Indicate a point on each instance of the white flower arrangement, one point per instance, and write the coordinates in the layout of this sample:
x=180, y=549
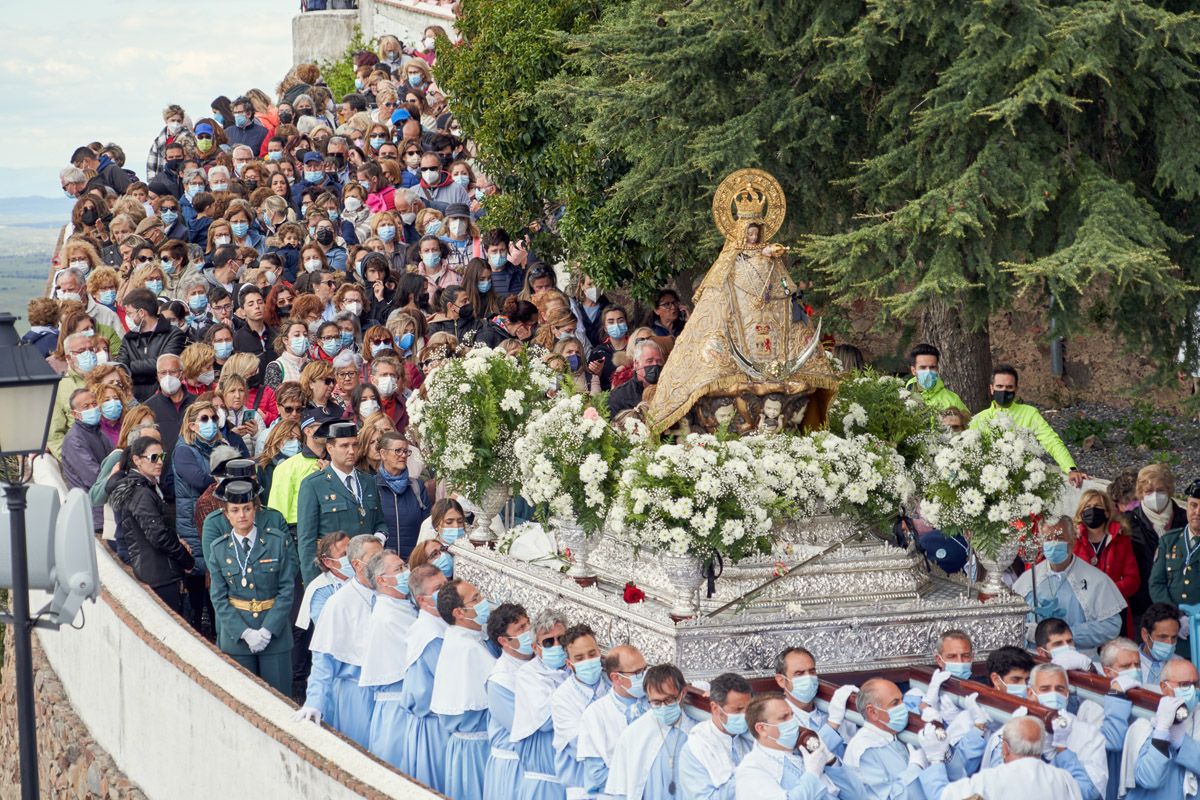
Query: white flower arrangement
x=989, y=481
x=568, y=461
x=881, y=406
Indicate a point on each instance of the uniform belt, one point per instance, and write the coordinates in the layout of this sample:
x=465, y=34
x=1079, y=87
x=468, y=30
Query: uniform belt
x=503, y=755
x=471, y=736
x=541, y=776
x=388, y=697
x=253, y=606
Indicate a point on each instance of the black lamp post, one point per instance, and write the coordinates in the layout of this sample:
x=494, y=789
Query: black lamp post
x=27, y=389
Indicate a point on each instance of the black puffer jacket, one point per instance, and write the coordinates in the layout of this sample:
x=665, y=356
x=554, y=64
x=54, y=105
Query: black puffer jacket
x=140, y=352
x=156, y=553
x=1145, y=546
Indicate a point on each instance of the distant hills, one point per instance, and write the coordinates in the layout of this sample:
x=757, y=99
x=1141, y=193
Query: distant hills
x=35, y=211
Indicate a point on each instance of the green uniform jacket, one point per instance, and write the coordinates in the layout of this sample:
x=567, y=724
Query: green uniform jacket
x=285, y=484
x=327, y=505
x=60, y=418
x=939, y=398
x=1028, y=417
x=1174, y=578
x=271, y=573
x=215, y=526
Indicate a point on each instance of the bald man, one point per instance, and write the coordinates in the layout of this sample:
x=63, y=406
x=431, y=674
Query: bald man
x=1162, y=756
x=1023, y=775
x=603, y=722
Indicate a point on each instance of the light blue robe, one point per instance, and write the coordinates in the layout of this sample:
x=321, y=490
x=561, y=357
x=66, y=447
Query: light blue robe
x=886, y=774
x=425, y=741
x=569, y=702
x=818, y=721
x=466, y=754
x=1151, y=671
x=595, y=771
x=390, y=722
x=1117, y=711
x=665, y=770
x=1161, y=778
x=694, y=778
x=334, y=691
x=1088, y=634
x=320, y=597
x=502, y=774
x=537, y=757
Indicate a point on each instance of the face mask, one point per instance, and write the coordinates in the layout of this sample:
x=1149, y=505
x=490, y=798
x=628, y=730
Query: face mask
x=167, y=266
x=197, y=303
x=1052, y=700
x=367, y=407
x=1156, y=501
x=134, y=325
x=204, y=145
x=111, y=409
x=220, y=187
x=352, y=204
x=223, y=350
x=240, y=120
x=1055, y=552
x=1188, y=695
x=456, y=132
x=591, y=293
x=325, y=237
x=219, y=117
x=458, y=228
x=331, y=346
x=431, y=260
x=238, y=167
x=430, y=176
x=102, y=357
x=313, y=176
x=81, y=265
x=298, y=345
x=1093, y=517
x=409, y=218
x=483, y=286
x=405, y=342
x=393, y=55
x=108, y=297
x=377, y=142
x=207, y=377
x=194, y=190
x=173, y=127
x=312, y=264
x=1003, y=398
x=445, y=562
x=651, y=373
x=789, y=732
x=414, y=80
x=286, y=117
x=275, y=155
x=168, y=218
x=466, y=313
x=574, y=362
x=271, y=277
x=959, y=669
x=452, y=535
x=386, y=232
x=588, y=672
x=897, y=718
x=387, y=388
x=69, y=296
x=1132, y=674
x=290, y=447
x=480, y=194
x=497, y=260
x=155, y=286
x=240, y=229
x=926, y=378
x=433, y=227
x=804, y=687
x=525, y=643
x=1161, y=651
x=1017, y=689
x=463, y=180
x=668, y=714
x=483, y=610
x=220, y=240
x=429, y=42
x=90, y=416
x=402, y=582
x=617, y=330
x=343, y=566
x=207, y=430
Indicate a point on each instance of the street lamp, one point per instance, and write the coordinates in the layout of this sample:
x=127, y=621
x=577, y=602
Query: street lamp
x=27, y=389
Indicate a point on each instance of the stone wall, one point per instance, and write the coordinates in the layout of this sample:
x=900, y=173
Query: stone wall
x=322, y=35
x=404, y=19
x=71, y=764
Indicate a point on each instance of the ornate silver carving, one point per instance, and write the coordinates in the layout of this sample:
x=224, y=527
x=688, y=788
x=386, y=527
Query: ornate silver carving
x=490, y=505
x=992, y=586
x=571, y=536
x=684, y=575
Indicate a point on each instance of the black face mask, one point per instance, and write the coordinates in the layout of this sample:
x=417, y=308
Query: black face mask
x=466, y=313
x=89, y=216
x=174, y=164
x=1094, y=517
x=338, y=159
x=1003, y=398
x=651, y=373
x=304, y=112
x=286, y=117
x=284, y=311
x=325, y=237
x=251, y=185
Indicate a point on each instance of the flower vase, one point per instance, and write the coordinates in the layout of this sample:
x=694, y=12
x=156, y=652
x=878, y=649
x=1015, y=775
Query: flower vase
x=685, y=575
x=992, y=585
x=572, y=537
x=490, y=505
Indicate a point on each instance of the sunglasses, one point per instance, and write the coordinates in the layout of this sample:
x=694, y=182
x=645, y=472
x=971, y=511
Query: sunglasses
x=206, y=418
x=154, y=458
x=412, y=152
x=145, y=259
x=550, y=641
x=204, y=136
x=169, y=208
x=381, y=341
x=328, y=283
x=292, y=409
x=328, y=381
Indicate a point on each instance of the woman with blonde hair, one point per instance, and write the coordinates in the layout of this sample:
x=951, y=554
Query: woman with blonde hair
x=368, y=449
x=316, y=385
x=281, y=443
x=199, y=371
x=573, y=354
x=1156, y=513
x=78, y=253
x=1103, y=541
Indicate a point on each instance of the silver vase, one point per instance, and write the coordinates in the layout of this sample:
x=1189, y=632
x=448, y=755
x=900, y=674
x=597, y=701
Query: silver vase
x=685, y=574
x=992, y=585
x=490, y=505
x=571, y=536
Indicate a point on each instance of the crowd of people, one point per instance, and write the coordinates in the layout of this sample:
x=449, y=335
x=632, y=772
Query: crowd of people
x=238, y=331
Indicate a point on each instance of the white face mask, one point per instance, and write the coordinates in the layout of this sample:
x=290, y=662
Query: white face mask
x=169, y=384
x=68, y=295
x=457, y=227
x=429, y=42
x=221, y=418
x=408, y=219
x=353, y=204
x=81, y=265
x=271, y=278
x=221, y=240
x=207, y=377
x=386, y=385
x=1156, y=501
x=312, y=264
x=173, y=127
x=367, y=407
x=591, y=293
x=354, y=308
x=102, y=357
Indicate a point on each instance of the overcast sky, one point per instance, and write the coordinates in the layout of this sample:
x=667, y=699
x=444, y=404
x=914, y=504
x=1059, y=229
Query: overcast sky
x=72, y=72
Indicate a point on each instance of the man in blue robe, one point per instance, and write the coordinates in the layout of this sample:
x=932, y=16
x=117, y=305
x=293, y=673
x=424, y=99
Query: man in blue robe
x=508, y=626
x=423, y=756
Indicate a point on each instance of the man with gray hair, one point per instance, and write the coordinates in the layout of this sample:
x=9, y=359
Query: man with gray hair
x=383, y=667
x=70, y=283
x=648, y=360
x=1023, y=774
x=532, y=731
x=339, y=646
x=77, y=348
x=73, y=180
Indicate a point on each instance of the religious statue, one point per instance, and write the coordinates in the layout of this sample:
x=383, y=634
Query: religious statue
x=771, y=420
x=747, y=336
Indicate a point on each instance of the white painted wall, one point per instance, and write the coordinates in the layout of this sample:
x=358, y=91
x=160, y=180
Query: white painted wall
x=174, y=735
x=404, y=19
x=321, y=35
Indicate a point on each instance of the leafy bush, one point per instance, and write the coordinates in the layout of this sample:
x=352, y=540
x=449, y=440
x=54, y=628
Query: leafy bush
x=1081, y=427
x=339, y=73
x=1144, y=431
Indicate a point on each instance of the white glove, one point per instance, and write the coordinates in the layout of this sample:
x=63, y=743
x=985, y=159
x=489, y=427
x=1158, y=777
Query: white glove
x=934, y=744
x=940, y=676
x=815, y=761
x=837, y=704
x=1123, y=683
x=977, y=714
x=1073, y=659
x=1164, y=717
x=1063, y=724
x=264, y=639
x=930, y=714
x=1185, y=626
x=250, y=637
x=1178, y=733
x=916, y=757
x=309, y=714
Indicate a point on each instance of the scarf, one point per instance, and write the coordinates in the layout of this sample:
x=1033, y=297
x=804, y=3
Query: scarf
x=1160, y=520
x=397, y=483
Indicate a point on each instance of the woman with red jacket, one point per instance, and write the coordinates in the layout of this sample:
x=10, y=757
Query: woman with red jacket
x=1104, y=542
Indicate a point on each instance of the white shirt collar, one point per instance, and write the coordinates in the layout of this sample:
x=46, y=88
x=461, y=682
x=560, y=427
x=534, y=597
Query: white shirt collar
x=339, y=473
x=251, y=537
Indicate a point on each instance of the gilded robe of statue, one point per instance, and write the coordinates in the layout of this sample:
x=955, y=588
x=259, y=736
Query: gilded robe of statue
x=747, y=336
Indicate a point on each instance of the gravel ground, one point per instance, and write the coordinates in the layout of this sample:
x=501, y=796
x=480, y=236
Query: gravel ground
x=1104, y=440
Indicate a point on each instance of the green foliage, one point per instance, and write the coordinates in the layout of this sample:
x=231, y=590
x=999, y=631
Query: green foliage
x=1081, y=427
x=339, y=73
x=1143, y=430
x=880, y=406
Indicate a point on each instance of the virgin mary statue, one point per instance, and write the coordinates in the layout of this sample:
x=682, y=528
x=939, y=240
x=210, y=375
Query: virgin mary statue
x=748, y=335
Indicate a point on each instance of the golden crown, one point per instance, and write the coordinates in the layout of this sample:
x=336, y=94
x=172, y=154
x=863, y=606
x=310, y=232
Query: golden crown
x=750, y=203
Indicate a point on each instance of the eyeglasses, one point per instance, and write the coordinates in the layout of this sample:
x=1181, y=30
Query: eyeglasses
x=203, y=136
x=550, y=641
x=330, y=283
x=400, y=451
x=663, y=703
x=388, y=105
x=223, y=307
x=292, y=409
x=347, y=375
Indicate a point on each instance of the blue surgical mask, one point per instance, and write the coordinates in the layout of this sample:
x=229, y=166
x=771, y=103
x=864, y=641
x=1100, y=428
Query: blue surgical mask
x=240, y=120
x=445, y=562
x=574, y=362
x=483, y=286
x=379, y=347
x=959, y=669
x=208, y=430
x=240, y=229
x=194, y=190
x=1057, y=652
x=155, y=286
x=358, y=84
x=376, y=142
x=463, y=180
x=554, y=657
x=452, y=535
x=332, y=346
x=483, y=610
x=290, y=447
x=1188, y=695
x=1161, y=651
x=927, y=378
x=405, y=342
x=431, y=260
x=1132, y=674
x=314, y=176
x=108, y=297
x=1052, y=700
x=198, y=303
x=111, y=409
x=433, y=227
x=668, y=714
x=637, y=684
x=298, y=345
x=168, y=218
x=167, y=266
x=617, y=330
x=789, y=732
x=897, y=718
x=223, y=349
x=90, y=416
x=1055, y=551
x=525, y=643
x=480, y=194
x=386, y=232
x=220, y=118
x=344, y=566
x=275, y=155
x=332, y=214
x=347, y=339
x=588, y=672
x=1017, y=689
x=804, y=687
x=497, y=260
x=402, y=582
x=414, y=80
x=85, y=362
x=736, y=724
